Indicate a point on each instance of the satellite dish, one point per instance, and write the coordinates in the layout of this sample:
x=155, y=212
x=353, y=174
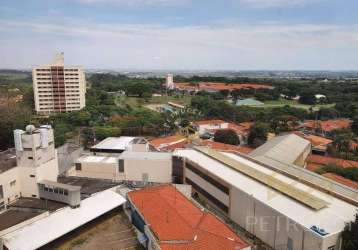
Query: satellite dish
x=30, y=129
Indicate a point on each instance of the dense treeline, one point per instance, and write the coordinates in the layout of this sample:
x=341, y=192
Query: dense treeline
x=344, y=93
x=131, y=86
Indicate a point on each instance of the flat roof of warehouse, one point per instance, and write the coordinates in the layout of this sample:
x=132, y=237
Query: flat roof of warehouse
x=332, y=218
x=97, y=159
x=62, y=221
x=145, y=155
x=116, y=143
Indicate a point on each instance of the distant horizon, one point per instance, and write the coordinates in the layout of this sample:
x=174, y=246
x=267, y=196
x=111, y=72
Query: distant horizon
x=200, y=70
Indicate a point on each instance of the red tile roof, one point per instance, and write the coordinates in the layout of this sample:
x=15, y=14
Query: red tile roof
x=315, y=140
x=241, y=128
x=328, y=125
x=209, y=122
x=173, y=217
x=167, y=141
x=318, y=160
x=214, y=86
x=226, y=147
x=325, y=160
x=342, y=180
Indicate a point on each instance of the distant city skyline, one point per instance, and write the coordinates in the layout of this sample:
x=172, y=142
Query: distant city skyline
x=181, y=34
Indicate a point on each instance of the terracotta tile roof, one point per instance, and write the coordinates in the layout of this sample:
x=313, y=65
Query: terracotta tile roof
x=172, y=217
x=342, y=180
x=177, y=145
x=315, y=140
x=214, y=86
x=328, y=125
x=226, y=147
x=319, y=160
x=210, y=122
x=353, y=145
x=166, y=141
x=241, y=128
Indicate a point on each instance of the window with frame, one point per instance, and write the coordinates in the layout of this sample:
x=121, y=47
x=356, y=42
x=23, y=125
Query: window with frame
x=78, y=166
x=121, y=165
x=1, y=192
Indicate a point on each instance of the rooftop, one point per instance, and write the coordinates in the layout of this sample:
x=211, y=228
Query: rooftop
x=285, y=148
x=63, y=221
x=328, y=125
x=316, y=161
x=332, y=217
x=226, y=147
x=315, y=140
x=97, y=159
x=88, y=186
x=116, y=143
x=179, y=224
x=11, y=218
x=162, y=142
x=342, y=180
x=249, y=102
x=241, y=128
x=209, y=122
x=145, y=155
x=39, y=204
x=217, y=86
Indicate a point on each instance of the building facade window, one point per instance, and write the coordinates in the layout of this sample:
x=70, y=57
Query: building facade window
x=78, y=166
x=121, y=165
x=209, y=179
x=208, y=196
x=289, y=244
x=12, y=183
x=1, y=192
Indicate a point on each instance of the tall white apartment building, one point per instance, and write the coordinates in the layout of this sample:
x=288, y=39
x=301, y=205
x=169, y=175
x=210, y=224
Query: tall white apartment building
x=58, y=88
x=170, y=82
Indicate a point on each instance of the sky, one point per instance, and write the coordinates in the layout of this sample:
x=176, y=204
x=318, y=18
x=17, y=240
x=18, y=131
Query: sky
x=181, y=34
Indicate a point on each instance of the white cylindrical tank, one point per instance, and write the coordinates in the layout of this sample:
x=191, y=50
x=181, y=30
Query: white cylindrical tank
x=44, y=137
x=17, y=139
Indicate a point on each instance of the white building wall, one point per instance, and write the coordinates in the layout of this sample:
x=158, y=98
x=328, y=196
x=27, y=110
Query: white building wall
x=159, y=171
x=11, y=191
x=27, y=177
x=272, y=227
x=98, y=170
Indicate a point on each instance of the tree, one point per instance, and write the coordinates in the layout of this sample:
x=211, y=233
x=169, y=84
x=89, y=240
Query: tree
x=307, y=98
x=342, y=140
x=350, y=235
x=227, y=136
x=355, y=125
x=258, y=134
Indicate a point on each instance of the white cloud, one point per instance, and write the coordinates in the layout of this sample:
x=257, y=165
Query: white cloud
x=132, y=3
x=276, y=3
x=236, y=46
